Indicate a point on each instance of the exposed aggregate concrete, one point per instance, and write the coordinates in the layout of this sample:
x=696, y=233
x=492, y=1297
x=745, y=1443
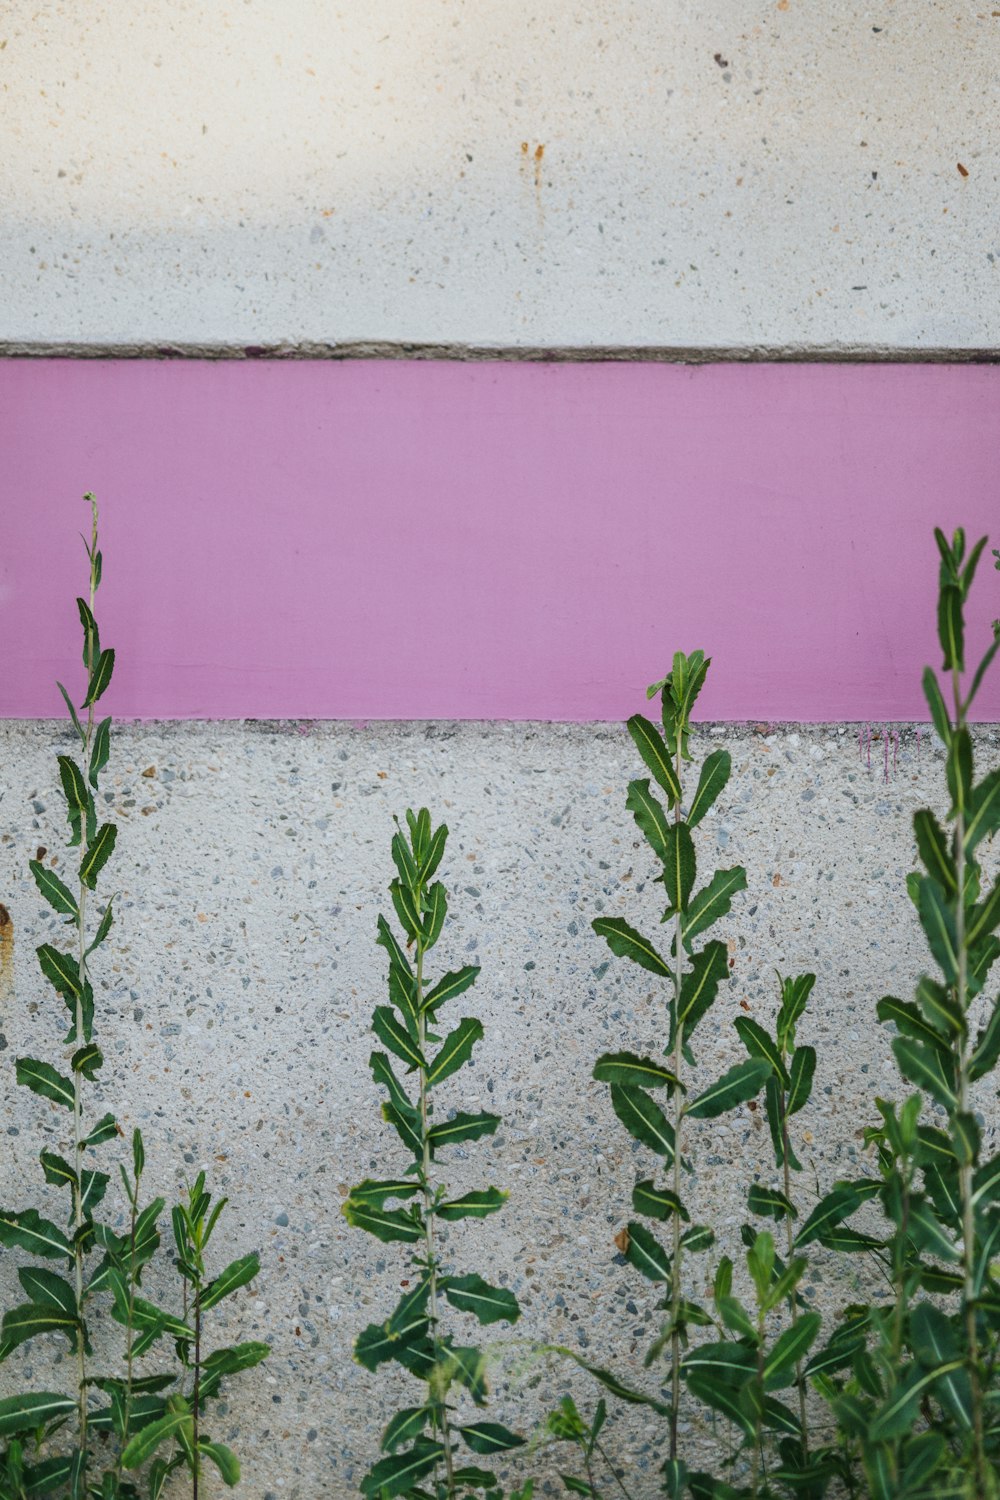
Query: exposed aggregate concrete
x=235, y=991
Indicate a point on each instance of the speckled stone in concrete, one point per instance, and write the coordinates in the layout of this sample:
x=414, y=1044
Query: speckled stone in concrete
x=236, y=988
x=629, y=173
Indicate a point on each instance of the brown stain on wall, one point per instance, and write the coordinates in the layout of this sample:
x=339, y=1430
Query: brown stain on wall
x=6, y=954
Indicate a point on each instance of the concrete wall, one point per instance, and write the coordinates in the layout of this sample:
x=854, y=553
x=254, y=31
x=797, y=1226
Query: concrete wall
x=695, y=174
x=237, y=988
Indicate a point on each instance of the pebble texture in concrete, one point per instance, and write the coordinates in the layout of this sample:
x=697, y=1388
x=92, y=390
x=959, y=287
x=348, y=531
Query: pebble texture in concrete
x=235, y=992
x=631, y=173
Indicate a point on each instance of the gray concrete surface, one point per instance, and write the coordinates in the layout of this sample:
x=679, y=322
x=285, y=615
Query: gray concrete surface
x=696, y=174
x=236, y=988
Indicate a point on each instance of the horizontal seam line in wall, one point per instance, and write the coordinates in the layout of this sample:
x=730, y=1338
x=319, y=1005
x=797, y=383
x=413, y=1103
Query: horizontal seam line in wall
x=506, y=353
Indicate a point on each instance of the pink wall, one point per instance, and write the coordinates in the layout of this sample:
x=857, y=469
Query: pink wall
x=421, y=540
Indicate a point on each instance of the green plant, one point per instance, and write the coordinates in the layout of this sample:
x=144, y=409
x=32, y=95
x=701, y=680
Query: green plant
x=691, y=978
x=98, y=1442
x=422, y=1443
x=919, y=1403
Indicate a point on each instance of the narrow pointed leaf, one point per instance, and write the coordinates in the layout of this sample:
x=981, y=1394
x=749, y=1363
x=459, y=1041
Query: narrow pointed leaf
x=649, y=816
x=400, y=1472
x=475, y=1205
x=699, y=986
x=791, y=1347
x=434, y=914
x=29, y=1231
x=649, y=743
x=144, y=1444
x=100, y=678
x=36, y=1409
x=715, y=773
x=983, y=812
x=462, y=1127
x=455, y=1051
x=236, y=1274
x=939, y=927
x=43, y=1079
x=490, y=1304
x=385, y=1224
x=801, y=1075
x=836, y=1206
x=98, y=853
x=394, y=1035
x=61, y=970
x=625, y=942
x=59, y=897
x=679, y=866
x=759, y=1043
x=737, y=1086
x=224, y=1459
x=638, y=1072
x=657, y=1202
x=451, y=985
x=100, y=752
x=646, y=1253
x=404, y=1427
x=926, y=1069
x=712, y=902
x=934, y=850
x=769, y=1203
x=643, y=1119
x=987, y=1049
x=490, y=1437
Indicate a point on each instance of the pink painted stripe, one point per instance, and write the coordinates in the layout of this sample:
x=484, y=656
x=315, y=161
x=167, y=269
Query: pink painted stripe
x=420, y=540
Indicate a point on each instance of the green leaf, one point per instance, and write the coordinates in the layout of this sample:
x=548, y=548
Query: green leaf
x=715, y=773
x=403, y=859
x=43, y=1079
x=934, y=850
x=899, y=1412
x=646, y=1253
x=699, y=987
x=724, y=1397
x=468, y=1367
x=490, y=1304
x=729, y=1361
x=31, y=1319
x=28, y=1412
x=451, y=985
x=644, y=1120
x=679, y=867
x=87, y=1060
x=434, y=914
x=791, y=1347
x=830, y=1210
x=395, y=1036
x=769, y=1203
x=908, y=1020
x=610, y=1381
x=382, y=1073
x=46, y=1287
x=380, y=1192
x=939, y=1005
x=100, y=678
x=958, y=770
x=455, y=1051
x=735, y=1087
x=924, y=1067
x=406, y=1122
x=712, y=902
x=803, y=1070
x=474, y=1205
x=983, y=812
x=404, y=1426
x=144, y=1444
x=433, y=852
x=101, y=751
x=56, y=894
x=406, y=909
x=650, y=817
x=91, y=635
x=936, y=704
x=987, y=1049
x=649, y=743
x=103, y=928
x=72, y=713
x=794, y=995
x=760, y=1044
x=78, y=800
x=400, y=1472
x=639, y=1072
x=462, y=1127
x=236, y=1274
x=99, y=851
x=935, y=1346
x=951, y=631
x=698, y=1239
x=224, y=1459
x=385, y=1224
x=105, y=1130
x=61, y=970
x=938, y=923
x=235, y=1358
x=490, y=1437
x=625, y=942
x=29, y=1231
x=657, y=1203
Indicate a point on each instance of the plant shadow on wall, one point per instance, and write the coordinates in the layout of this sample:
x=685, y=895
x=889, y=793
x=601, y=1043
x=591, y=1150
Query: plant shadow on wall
x=122, y=1412
x=901, y=1398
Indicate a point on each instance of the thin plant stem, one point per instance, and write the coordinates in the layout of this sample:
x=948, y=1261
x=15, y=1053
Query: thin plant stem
x=440, y=1405
x=196, y=1394
x=965, y=1169
x=800, y=1379
x=614, y=1472
x=675, y=1270
x=79, y=1142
